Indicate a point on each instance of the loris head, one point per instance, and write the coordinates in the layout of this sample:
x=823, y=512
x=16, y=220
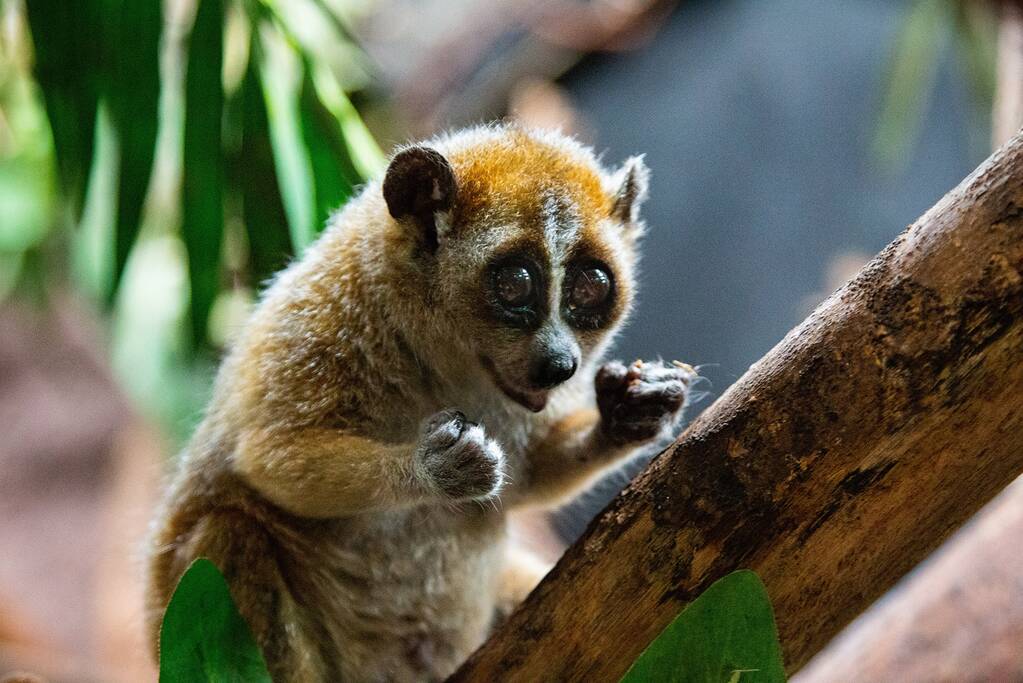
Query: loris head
x=526, y=242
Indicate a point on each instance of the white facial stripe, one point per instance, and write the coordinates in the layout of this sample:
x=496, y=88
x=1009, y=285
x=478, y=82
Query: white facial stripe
x=561, y=225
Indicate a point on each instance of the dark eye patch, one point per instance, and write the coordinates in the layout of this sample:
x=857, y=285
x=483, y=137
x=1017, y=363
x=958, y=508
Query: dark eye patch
x=515, y=291
x=590, y=288
x=514, y=285
x=588, y=294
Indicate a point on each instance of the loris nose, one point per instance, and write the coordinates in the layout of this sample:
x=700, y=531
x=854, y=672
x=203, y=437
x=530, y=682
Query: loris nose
x=552, y=370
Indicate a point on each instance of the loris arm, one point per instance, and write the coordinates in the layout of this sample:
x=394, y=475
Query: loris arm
x=635, y=404
x=317, y=472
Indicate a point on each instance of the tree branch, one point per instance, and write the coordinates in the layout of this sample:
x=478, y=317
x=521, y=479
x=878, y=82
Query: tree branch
x=832, y=467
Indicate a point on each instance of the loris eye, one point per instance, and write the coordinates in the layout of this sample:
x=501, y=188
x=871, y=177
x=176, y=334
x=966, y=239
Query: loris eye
x=514, y=286
x=590, y=288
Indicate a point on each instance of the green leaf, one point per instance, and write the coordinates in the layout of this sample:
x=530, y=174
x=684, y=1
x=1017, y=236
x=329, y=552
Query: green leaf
x=202, y=226
x=101, y=50
x=67, y=68
x=254, y=178
x=26, y=188
x=976, y=30
x=321, y=36
x=132, y=92
x=977, y=39
x=281, y=77
x=92, y=244
x=912, y=73
x=203, y=638
x=726, y=635
x=366, y=156
x=334, y=176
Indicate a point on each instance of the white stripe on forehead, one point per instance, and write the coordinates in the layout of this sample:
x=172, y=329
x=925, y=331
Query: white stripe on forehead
x=561, y=223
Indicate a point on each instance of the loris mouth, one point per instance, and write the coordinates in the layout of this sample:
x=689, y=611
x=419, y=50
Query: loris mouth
x=530, y=400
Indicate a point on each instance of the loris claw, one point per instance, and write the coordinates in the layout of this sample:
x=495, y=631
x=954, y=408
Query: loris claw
x=637, y=402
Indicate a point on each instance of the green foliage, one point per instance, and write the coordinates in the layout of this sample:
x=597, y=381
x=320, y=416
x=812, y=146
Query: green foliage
x=262, y=207
x=132, y=92
x=726, y=635
x=68, y=69
x=334, y=175
x=281, y=78
x=175, y=175
x=203, y=638
x=928, y=28
x=202, y=224
x=101, y=51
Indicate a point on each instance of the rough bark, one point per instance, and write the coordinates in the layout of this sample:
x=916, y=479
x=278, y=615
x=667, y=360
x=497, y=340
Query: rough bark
x=833, y=466
x=960, y=615
x=958, y=618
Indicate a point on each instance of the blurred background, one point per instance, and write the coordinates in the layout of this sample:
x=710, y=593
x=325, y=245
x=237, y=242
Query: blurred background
x=160, y=159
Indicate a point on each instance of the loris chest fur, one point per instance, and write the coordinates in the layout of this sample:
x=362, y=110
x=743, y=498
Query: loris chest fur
x=431, y=363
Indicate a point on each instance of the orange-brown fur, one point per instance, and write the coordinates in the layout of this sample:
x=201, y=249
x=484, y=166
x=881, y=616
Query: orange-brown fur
x=305, y=482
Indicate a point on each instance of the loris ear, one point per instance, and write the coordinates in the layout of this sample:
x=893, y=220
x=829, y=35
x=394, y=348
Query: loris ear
x=633, y=180
x=419, y=183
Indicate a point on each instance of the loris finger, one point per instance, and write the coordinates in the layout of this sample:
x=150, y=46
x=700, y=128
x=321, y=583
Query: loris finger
x=668, y=396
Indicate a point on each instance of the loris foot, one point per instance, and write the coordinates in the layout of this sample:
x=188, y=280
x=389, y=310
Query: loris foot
x=637, y=402
x=457, y=458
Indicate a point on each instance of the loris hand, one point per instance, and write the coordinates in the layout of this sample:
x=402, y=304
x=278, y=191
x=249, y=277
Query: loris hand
x=638, y=401
x=457, y=459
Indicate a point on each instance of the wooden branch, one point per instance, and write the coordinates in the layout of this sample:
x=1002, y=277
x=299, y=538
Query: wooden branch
x=833, y=466
x=959, y=617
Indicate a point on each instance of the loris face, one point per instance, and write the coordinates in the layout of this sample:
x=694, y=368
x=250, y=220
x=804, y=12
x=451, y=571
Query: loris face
x=533, y=249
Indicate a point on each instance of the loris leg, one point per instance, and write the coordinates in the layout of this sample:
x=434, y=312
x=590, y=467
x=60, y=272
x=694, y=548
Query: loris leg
x=245, y=552
x=521, y=573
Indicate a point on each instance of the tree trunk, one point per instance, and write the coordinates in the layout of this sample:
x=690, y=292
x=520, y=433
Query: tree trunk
x=832, y=467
